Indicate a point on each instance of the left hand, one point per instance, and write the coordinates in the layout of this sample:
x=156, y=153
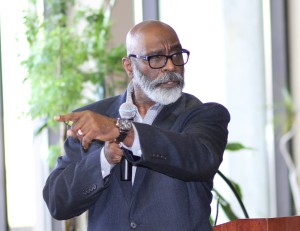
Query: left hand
x=90, y=126
x=112, y=152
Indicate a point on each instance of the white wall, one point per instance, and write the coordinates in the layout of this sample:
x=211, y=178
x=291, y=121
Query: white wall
x=18, y=130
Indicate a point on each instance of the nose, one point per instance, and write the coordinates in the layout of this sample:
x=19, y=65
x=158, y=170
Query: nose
x=169, y=65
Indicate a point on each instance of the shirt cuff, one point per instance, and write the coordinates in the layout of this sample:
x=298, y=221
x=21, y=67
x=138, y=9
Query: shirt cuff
x=105, y=166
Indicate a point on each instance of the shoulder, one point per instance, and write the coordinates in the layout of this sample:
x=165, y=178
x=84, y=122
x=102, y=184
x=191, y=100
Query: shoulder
x=212, y=108
x=190, y=99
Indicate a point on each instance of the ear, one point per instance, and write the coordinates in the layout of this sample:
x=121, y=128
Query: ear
x=127, y=66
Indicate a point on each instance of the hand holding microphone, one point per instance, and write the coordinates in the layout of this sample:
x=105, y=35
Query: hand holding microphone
x=127, y=112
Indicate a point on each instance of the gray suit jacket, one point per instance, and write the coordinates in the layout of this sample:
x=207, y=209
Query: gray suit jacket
x=181, y=153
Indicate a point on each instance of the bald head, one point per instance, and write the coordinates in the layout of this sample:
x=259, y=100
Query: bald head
x=148, y=35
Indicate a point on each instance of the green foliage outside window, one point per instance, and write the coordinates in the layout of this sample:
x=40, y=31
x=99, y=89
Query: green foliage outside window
x=71, y=61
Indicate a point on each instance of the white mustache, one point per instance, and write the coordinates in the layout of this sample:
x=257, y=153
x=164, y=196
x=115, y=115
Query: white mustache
x=167, y=78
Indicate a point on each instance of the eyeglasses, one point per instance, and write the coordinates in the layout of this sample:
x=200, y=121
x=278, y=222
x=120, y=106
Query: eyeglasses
x=159, y=61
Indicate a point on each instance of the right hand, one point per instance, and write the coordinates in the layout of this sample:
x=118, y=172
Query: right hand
x=88, y=126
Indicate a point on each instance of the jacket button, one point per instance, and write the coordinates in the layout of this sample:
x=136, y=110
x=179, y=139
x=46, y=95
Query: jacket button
x=133, y=225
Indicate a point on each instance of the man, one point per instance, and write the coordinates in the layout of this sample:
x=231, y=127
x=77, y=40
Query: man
x=175, y=144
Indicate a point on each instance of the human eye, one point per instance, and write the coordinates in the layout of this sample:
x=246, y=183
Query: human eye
x=177, y=57
x=157, y=58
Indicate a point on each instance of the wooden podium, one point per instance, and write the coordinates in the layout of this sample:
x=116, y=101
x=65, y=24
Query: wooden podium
x=261, y=224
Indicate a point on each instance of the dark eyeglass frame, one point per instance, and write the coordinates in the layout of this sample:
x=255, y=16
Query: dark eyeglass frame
x=149, y=57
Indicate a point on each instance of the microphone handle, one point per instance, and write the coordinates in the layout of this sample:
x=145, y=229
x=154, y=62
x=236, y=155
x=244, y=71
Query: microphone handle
x=126, y=169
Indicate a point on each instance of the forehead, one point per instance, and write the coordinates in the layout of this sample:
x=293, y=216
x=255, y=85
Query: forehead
x=154, y=39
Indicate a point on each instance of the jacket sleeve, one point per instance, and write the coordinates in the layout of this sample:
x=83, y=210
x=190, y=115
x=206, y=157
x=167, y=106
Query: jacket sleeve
x=68, y=191
x=192, y=149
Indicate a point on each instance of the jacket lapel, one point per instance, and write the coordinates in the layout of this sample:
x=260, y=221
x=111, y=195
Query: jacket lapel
x=139, y=178
x=126, y=186
x=168, y=115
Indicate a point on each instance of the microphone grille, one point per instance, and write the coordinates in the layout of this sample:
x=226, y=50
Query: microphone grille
x=127, y=110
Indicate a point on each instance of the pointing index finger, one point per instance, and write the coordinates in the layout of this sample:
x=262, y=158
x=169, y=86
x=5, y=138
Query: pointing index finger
x=67, y=118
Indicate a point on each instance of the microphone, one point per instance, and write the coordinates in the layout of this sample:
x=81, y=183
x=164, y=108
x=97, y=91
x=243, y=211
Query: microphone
x=128, y=111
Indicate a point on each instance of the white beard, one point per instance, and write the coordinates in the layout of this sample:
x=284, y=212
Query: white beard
x=154, y=91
